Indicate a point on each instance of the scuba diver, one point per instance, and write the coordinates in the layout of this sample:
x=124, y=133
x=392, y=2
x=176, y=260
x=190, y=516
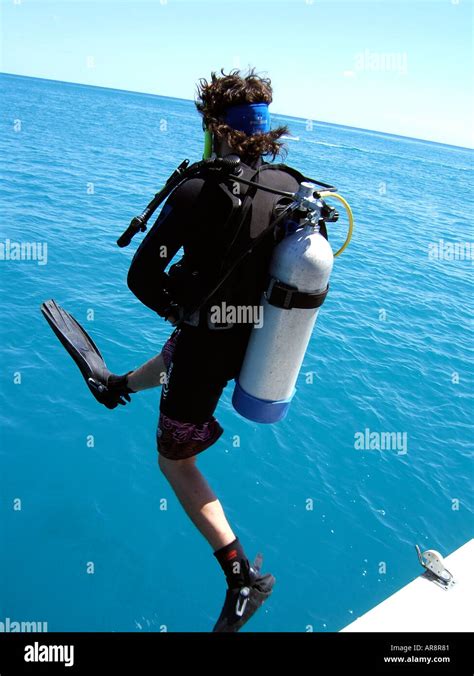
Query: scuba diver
x=220, y=215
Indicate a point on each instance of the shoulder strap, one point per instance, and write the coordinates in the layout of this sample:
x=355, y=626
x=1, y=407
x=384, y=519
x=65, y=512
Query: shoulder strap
x=295, y=173
x=284, y=167
x=240, y=214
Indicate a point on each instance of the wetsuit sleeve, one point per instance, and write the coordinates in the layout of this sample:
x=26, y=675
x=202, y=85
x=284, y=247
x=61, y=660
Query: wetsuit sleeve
x=146, y=277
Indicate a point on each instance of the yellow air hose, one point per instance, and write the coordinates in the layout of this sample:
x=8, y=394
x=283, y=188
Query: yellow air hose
x=344, y=202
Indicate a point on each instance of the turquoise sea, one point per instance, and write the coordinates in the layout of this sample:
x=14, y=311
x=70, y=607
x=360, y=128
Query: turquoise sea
x=91, y=536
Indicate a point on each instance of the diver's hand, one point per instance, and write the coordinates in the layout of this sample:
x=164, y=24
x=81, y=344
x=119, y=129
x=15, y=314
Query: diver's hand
x=113, y=391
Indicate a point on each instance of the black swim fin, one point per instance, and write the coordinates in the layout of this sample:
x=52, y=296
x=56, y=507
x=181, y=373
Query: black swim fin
x=242, y=603
x=108, y=389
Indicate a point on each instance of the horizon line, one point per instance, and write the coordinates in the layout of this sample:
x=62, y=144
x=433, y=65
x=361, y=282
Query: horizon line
x=293, y=117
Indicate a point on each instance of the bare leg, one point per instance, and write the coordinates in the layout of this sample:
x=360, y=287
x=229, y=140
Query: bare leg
x=150, y=374
x=198, y=500
x=191, y=488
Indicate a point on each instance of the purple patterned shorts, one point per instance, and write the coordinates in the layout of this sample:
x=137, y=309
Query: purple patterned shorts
x=189, y=399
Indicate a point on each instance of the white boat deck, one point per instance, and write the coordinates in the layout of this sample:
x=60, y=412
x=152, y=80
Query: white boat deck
x=423, y=606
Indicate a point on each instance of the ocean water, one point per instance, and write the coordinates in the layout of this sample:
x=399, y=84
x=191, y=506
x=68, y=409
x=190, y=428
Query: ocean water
x=91, y=536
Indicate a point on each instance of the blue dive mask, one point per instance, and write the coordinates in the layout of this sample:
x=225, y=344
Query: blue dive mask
x=251, y=118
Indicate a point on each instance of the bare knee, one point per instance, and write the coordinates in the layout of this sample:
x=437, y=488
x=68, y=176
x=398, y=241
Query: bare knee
x=166, y=465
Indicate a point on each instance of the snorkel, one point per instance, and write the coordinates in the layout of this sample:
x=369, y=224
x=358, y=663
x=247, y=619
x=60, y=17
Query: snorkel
x=207, y=144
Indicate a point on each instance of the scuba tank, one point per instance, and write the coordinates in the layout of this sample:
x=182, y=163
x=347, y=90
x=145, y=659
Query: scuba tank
x=299, y=273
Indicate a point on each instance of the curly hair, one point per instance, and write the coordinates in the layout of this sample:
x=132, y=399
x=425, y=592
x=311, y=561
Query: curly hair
x=213, y=99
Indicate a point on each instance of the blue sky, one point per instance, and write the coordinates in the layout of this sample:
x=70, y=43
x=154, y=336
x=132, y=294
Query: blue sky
x=403, y=67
